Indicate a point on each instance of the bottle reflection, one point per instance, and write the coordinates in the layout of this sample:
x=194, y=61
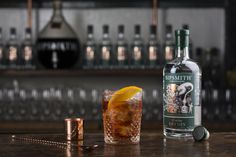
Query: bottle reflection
x=187, y=147
x=122, y=150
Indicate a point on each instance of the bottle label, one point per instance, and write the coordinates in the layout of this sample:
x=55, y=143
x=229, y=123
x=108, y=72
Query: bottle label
x=137, y=53
x=106, y=53
x=62, y=45
x=90, y=53
x=179, y=100
x=121, y=53
x=12, y=54
x=152, y=53
x=28, y=53
x=169, y=53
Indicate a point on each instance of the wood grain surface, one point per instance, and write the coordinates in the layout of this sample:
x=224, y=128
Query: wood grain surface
x=221, y=144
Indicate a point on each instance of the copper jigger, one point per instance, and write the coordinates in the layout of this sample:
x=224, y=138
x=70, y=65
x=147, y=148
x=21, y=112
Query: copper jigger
x=74, y=129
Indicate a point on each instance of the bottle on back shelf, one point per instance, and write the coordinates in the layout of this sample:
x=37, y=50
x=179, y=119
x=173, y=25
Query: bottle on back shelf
x=89, y=55
x=169, y=45
x=181, y=91
x=58, y=46
x=105, y=49
x=185, y=26
x=137, y=49
x=27, y=51
x=153, y=59
x=121, y=48
x=199, y=56
x=2, y=57
x=206, y=69
x=216, y=71
x=12, y=50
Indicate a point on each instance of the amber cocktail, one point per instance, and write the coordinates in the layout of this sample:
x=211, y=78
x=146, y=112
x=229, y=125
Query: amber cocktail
x=122, y=113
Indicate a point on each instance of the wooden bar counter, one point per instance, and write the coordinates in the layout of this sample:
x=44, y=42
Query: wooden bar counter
x=222, y=144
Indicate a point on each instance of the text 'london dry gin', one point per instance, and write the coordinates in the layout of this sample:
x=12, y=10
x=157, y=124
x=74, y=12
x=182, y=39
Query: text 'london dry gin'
x=181, y=91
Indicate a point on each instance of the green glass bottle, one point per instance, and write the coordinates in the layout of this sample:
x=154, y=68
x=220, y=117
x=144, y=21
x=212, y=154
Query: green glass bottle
x=137, y=49
x=168, y=45
x=181, y=91
x=153, y=58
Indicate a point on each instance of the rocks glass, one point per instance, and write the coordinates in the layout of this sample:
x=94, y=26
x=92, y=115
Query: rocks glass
x=122, y=117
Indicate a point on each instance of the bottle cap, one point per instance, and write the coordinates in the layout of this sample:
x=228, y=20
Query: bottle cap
x=200, y=133
x=90, y=29
x=105, y=29
x=12, y=30
x=185, y=26
x=121, y=29
x=168, y=28
x=182, y=38
x=74, y=129
x=137, y=29
x=153, y=29
x=28, y=30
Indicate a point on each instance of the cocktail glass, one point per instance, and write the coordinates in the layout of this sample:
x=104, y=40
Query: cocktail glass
x=122, y=117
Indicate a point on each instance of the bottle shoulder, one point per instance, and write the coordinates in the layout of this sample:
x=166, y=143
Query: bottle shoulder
x=27, y=42
x=11, y=42
x=179, y=65
x=138, y=41
x=153, y=43
x=90, y=42
x=105, y=41
x=122, y=42
x=169, y=41
x=63, y=30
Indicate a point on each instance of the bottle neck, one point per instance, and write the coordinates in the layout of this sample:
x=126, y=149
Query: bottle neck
x=183, y=53
x=90, y=36
x=28, y=36
x=57, y=10
x=105, y=36
x=169, y=36
x=12, y=36
x=121, y=36
x=182, y=44
x=137, y=36
x=153, y=36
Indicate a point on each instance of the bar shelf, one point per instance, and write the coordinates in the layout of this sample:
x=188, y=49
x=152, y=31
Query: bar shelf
x=87, y=72
x=117, y=4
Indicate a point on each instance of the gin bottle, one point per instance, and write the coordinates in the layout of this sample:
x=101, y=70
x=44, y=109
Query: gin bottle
x=12, y=50
x=27, y=50
x=121, y=48
x=2, y=57
x=153, y=58
x=181, y=91
x=169, y=45
x=89, y=49
x=105, y=48
x=137, y=52
x=57, y=45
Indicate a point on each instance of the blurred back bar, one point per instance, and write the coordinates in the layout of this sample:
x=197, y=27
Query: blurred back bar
x=71, y=65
